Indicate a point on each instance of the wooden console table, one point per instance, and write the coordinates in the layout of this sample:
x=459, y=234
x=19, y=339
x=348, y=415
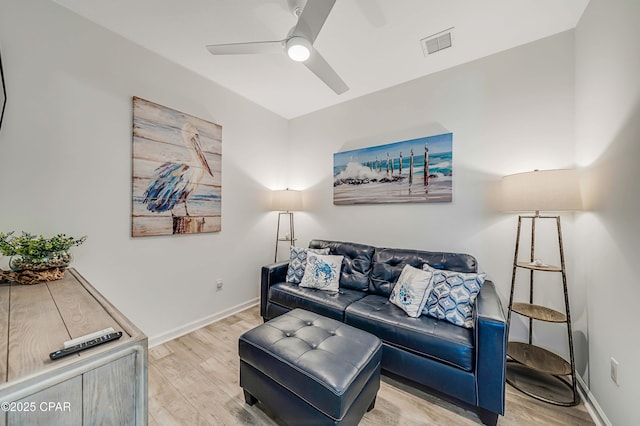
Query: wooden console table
x=103, y=385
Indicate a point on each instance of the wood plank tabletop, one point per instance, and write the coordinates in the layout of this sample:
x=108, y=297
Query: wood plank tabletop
x=4, y=329
x=37, y=319
x=35, y=329
x=80, y=311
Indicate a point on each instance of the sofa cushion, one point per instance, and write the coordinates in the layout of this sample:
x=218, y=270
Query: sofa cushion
x=328, y=303
x=453, y=296
x=412, y=290
x=322, y=272
x=388, y=263
x=298, y=262
x=356, y=264
x=424, y=335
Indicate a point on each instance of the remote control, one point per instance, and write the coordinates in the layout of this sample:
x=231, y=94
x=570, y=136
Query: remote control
x=85, y=345
x=87, y=337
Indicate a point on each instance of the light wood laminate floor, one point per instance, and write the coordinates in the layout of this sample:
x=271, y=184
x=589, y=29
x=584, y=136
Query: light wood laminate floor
x=193, y=380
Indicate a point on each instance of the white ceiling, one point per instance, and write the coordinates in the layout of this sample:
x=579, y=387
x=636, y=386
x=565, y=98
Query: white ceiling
x=372, y=44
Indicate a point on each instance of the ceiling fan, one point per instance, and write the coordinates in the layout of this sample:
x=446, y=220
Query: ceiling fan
x=298, y=44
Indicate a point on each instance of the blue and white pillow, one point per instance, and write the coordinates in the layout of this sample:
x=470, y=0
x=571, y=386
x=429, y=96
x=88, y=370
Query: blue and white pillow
x=297, y=262
x=322, y=272
x=453, y=295
x=412, y=290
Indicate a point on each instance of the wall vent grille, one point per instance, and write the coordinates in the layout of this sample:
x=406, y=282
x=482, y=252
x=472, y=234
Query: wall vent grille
x=437, y=42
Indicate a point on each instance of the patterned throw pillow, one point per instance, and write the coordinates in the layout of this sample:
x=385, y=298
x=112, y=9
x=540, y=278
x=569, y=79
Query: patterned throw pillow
x=322, y=272
x=412, y=290
x=453, y=295
x=297, y=262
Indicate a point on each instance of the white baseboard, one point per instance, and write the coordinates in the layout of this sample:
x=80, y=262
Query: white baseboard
x=188, y=328
x=596, y=412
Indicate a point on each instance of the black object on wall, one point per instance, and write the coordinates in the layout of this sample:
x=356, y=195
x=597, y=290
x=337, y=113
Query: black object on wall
x=3, y=93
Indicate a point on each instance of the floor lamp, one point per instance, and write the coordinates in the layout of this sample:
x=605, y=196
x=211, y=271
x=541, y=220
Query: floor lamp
x=285, y=202
x=532, y=369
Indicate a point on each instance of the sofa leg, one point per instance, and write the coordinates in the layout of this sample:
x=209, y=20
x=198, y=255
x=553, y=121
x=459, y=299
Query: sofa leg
x=249, y=399
x=487, y=417
x=372, y=405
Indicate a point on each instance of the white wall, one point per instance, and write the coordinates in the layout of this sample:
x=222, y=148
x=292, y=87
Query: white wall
x=510, y=112
x=65, y=166
x=608, y=149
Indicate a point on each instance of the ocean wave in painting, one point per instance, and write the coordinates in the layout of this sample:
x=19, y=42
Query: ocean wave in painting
x=358, y=174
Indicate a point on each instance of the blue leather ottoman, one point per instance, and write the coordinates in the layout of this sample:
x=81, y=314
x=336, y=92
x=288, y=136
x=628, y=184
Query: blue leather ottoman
x=310, y=370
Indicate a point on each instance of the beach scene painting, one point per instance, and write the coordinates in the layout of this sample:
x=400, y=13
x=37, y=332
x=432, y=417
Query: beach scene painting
x=411, y=171
x=177, y=172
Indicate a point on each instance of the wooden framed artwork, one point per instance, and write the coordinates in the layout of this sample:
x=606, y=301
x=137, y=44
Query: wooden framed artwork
x=177, y=172
x=411, y=171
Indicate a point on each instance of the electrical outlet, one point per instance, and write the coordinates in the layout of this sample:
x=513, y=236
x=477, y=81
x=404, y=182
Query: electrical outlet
x=614, y=371
x=219, y=284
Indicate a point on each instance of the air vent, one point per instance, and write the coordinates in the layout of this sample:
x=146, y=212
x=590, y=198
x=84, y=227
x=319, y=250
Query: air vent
x=436, y=42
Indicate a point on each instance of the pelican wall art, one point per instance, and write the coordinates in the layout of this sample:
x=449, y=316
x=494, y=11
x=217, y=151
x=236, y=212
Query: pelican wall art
x=412, y=171
x=177, y=165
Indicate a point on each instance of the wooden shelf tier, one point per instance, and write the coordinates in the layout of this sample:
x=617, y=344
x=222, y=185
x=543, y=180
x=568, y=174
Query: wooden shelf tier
x=548, y=268
x=550, y=389
x=538, y=312
x=538, y=358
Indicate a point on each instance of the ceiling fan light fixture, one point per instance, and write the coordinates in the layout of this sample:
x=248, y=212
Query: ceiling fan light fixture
x=298, y=49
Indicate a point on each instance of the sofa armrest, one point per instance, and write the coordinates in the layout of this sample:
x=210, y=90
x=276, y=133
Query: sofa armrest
x=271, y=274
x=491, y=334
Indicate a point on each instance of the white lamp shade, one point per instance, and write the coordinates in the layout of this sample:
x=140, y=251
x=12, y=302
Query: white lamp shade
x=286, y=200
x=542, y=190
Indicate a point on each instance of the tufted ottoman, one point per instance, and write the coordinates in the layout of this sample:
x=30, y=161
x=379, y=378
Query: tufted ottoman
x=310, y=370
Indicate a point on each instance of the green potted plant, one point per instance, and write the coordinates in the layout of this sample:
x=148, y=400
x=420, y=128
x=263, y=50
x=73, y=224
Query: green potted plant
x=36, y=253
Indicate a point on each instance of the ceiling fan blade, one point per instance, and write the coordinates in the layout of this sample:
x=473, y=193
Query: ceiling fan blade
x=246, y=48
x=312, y=19
x=317, y=64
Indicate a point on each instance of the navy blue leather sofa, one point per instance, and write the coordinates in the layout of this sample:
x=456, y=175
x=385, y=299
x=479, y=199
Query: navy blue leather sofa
x=466, y=364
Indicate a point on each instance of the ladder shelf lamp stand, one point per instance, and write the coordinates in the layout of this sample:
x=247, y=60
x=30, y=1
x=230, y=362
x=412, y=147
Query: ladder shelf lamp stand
x=286, y=201
x=533, y=370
